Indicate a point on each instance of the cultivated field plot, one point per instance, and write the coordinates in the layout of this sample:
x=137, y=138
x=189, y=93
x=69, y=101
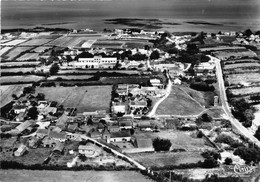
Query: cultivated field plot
x=108, y=44
x=70, y=77
x=7, y=91
x=237, y=78
x=92, y=72
x=221, y=48
x=51, y=36
x=14, y=70
x=87, y=44
x=4, y=50
x=245, y=91
x=66, y=41
x=241, y=61
x=179, y=139
x=35, y=42
x=28, y=56
x=40, y=49
x=71, y=176
x=178, y=103
x=165, y=159
x=15, y=52
x=242, y=65
x=34, y=156
x=14, y=42
x=137, y=44
x=20, y=79
x=223, y=55
x=242, y=70
x=16, y=64
x=87, y=98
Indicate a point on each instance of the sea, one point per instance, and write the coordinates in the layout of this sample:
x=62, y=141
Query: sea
x=216, y=15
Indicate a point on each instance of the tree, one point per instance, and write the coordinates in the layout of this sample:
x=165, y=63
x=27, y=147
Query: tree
x=90, y=121
x=40, y=96
x=33, y=113
x=54, y=69
x=257, y=133
x=210, y=163
x=206, y=118
x=155, y=55
x=161, y=144
x=14, y=96
x=228, y=161
x=192, y=49
x=248, y=32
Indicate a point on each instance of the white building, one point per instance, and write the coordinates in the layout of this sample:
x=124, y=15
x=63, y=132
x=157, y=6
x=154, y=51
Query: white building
x=95, y=62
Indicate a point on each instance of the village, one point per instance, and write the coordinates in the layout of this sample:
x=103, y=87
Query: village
x=101, y=100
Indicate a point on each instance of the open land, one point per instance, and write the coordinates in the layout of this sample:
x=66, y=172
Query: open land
x=87, y=98
x=237, y=78
x=72, y=176
x=20, y=79
x=165, y=159
x=7, y=91
x=70, y=77
x=178, y=103
x=34, y=42
x=28, y=56
x=18, y=64
x=14, y=42
x=40, y=49
x=15, y=52
x=14, y=70
x=4, y=50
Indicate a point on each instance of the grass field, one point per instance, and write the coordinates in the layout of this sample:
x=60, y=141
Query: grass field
x=137, y=44
x=14, y=42
x=178, y=103
x=15, y=52
x=36, y=42
x=71, y=77
x=87, y=98
x=237, y=78
x=28, y=56
x=13, y=70
x=8, y=90
x=15, y=79
x=246, y=90
x=242, y=65
x=179, y=139
x=71, y=176
x=40, y=49
x=169, y=158
x=108, y=44
x=10, y=64
x=4, y=50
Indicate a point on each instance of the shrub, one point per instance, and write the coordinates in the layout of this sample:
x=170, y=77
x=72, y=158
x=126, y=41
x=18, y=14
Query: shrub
x=161, y=144
x=228, y=161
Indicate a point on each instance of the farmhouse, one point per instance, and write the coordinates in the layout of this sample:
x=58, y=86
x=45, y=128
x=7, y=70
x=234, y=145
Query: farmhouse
x=137, y=104
x=120, y=136
x=118, y=109
x=95, y=62
x=20, y=151
x=89, y=150
x=61, y=137
x=25, y=125
x=19, y=108
x=156, y=83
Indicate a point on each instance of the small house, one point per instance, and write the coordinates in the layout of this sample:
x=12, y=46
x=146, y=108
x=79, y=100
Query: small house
x=59, y=147
x=95, y=134
x=33, y=142
x=120, y=136
x=20, y=151
x=89, y=150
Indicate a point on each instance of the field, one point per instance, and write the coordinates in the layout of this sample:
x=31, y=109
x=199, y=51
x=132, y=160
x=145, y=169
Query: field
x=15, y=52
x=87, y=44
x=165, y=159
x=22, y=79
x=204, y=98
x=237, y=78
x=91, y=72
x=40, y=49
x=7, y=91
x=223, y=55
x=246, y=90
x=66, y=41
x=136, y=44
x=241, y=61
x=35, y=42
x=4, y=50
x=28, y=56
x=242, y=65
x=14, y=70
x=179, y=139
x=87, y=98
x=221, y=48
x=11, y=64
x=108, y=44
x=71, y=77
x=178, y=103
x=14, y=42
x=71, y=176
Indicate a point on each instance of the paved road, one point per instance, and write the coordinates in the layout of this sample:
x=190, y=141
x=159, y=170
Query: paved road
x=244, y=131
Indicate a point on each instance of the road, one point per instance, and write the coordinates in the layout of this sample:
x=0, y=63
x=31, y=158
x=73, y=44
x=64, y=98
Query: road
x=235, y=123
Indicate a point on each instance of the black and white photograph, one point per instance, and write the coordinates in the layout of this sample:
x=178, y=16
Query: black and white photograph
x=130, y=91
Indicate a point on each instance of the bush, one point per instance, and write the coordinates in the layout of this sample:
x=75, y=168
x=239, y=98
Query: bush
x=202, y=86
x=248, y=154
x=228, y=161
x=257, y=133
x=162, y=144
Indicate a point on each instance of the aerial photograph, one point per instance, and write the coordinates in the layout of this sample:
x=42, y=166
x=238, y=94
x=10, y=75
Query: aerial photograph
x=130, y=91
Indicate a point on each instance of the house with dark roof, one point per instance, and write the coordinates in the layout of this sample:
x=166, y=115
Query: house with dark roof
x=95, y=134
